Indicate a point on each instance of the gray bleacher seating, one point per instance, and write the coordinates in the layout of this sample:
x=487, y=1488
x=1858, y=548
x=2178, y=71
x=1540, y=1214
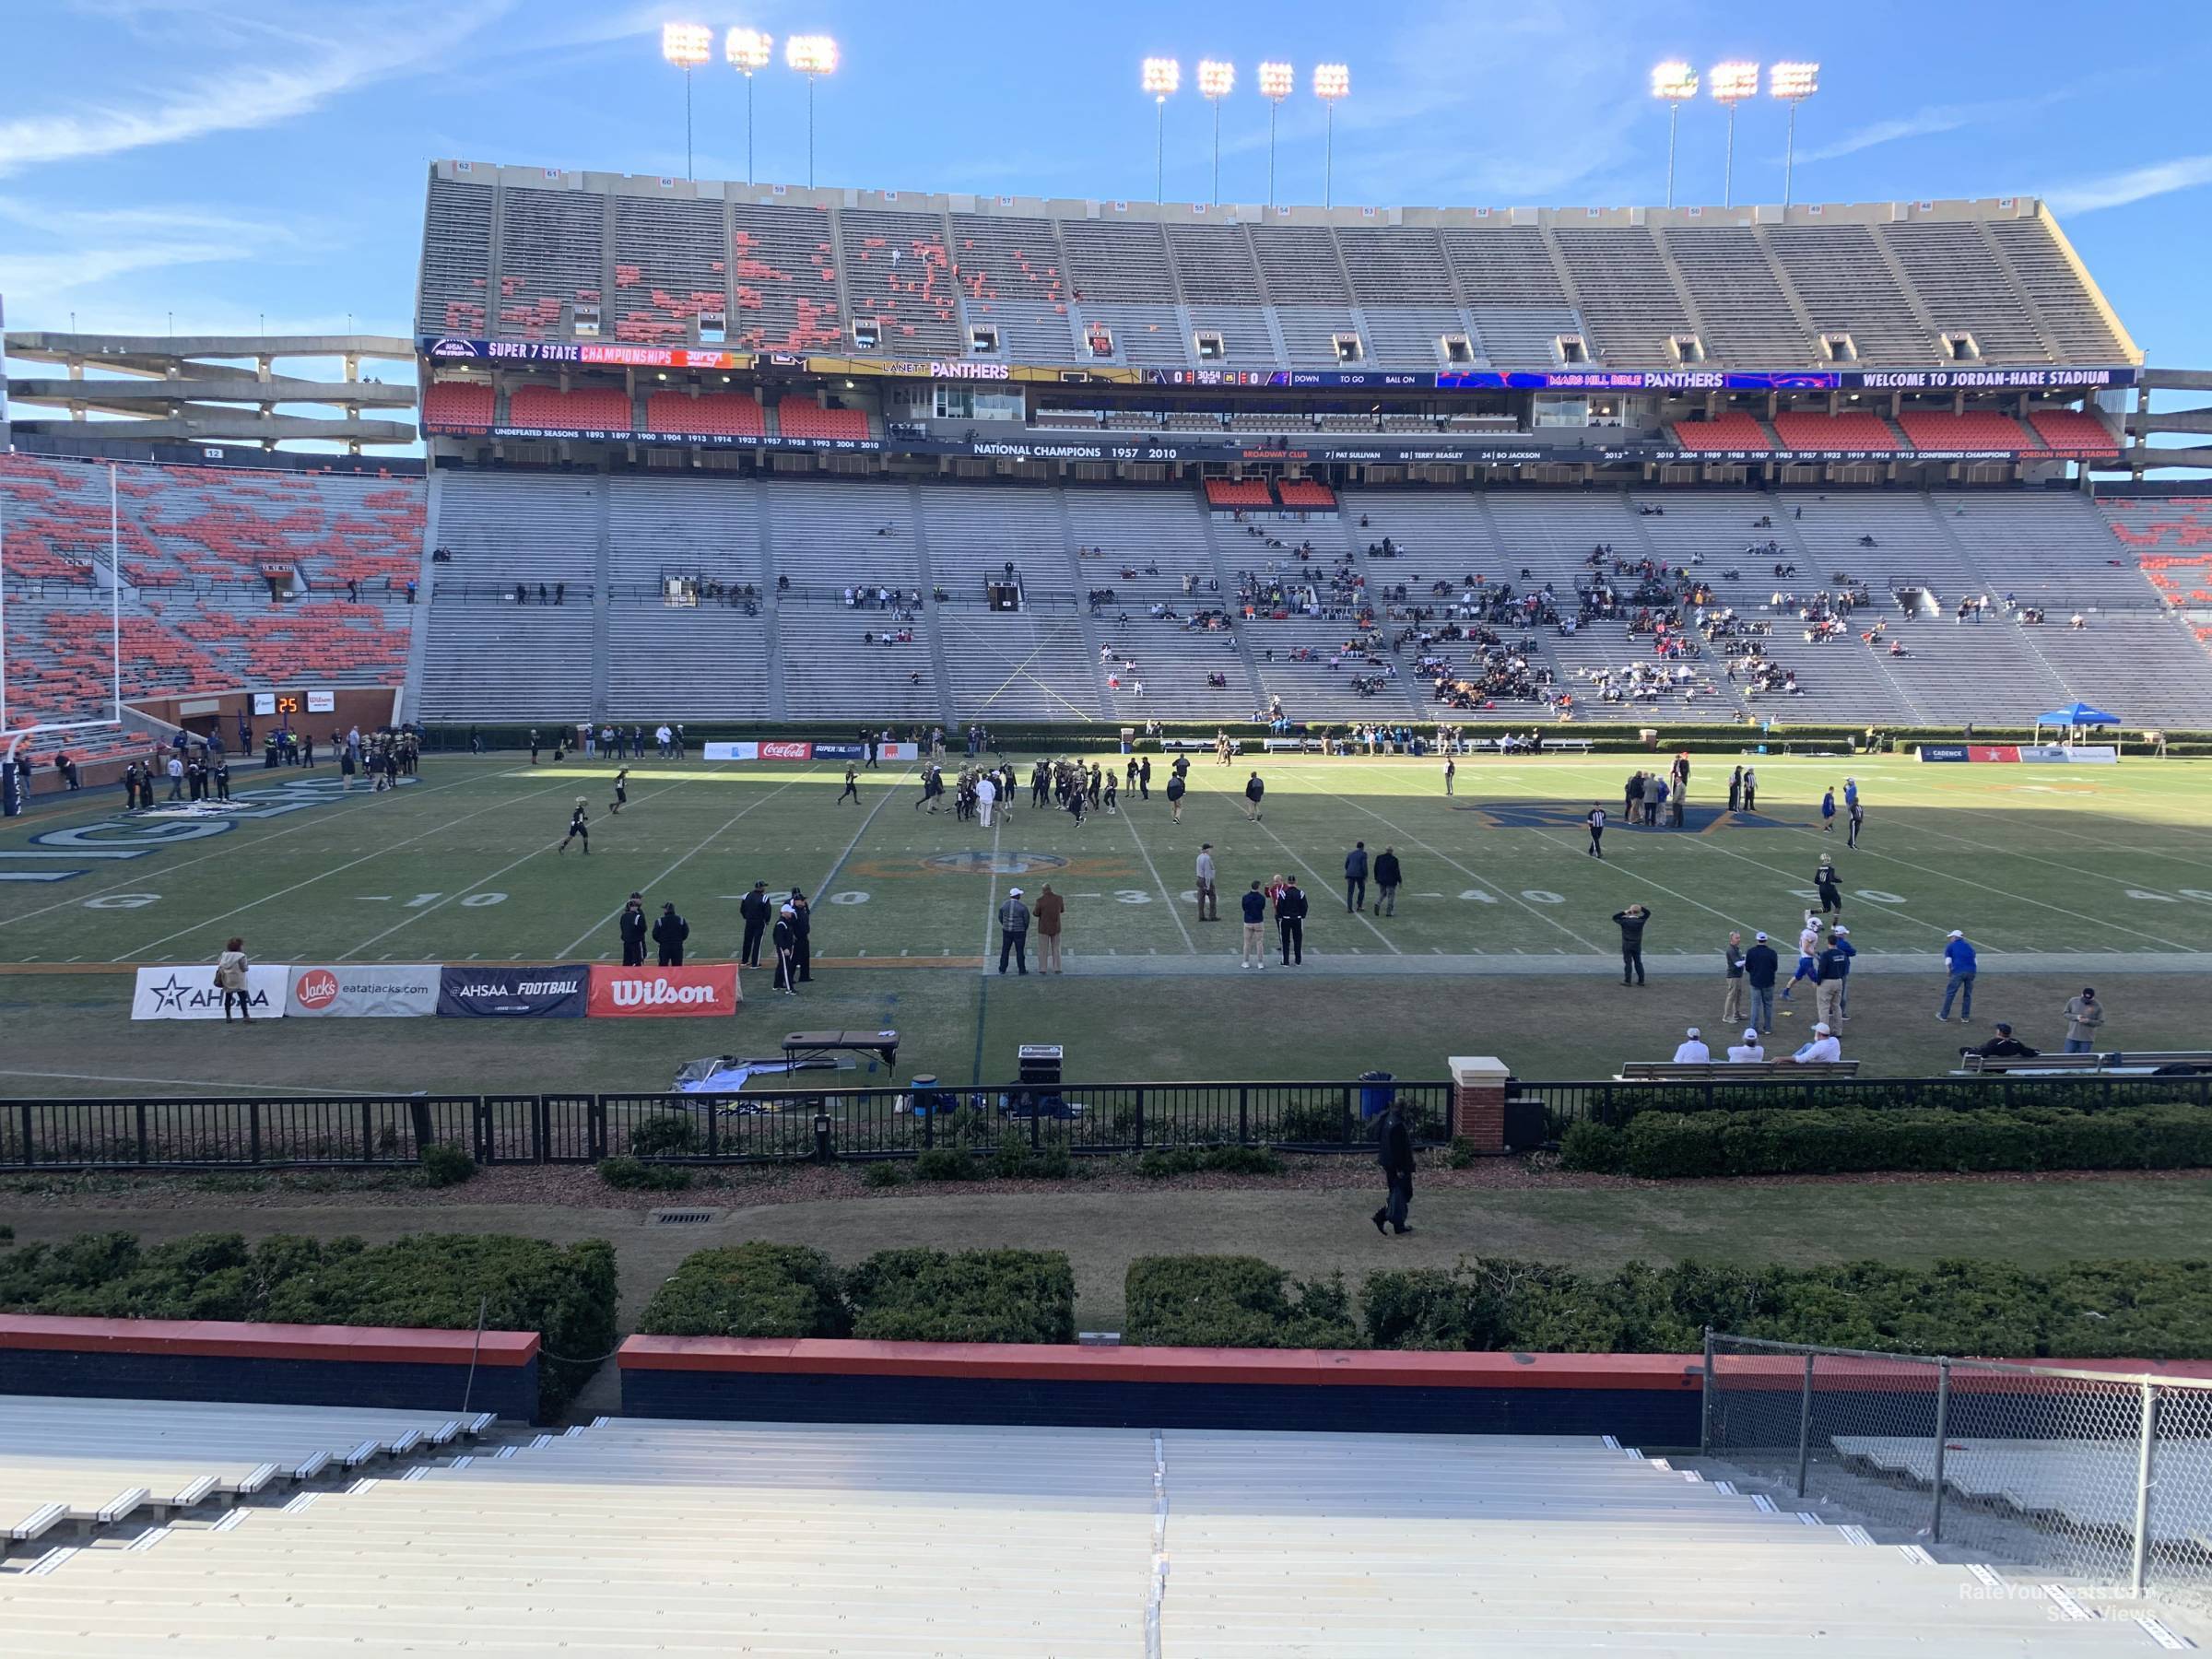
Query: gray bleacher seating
x=812, y=1539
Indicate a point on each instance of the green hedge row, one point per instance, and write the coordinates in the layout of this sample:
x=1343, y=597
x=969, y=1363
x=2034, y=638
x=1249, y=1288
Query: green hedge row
x=2107, y=1309
x=762, y=1289
x=1815, y=1141
x=430, y=1280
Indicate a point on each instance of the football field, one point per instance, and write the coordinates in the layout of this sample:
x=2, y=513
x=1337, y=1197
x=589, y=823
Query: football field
x=1502, y=942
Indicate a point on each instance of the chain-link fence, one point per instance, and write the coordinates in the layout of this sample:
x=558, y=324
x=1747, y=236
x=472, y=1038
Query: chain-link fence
x=2097, y=1476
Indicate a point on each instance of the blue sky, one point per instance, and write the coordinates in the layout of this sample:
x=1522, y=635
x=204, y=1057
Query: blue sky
x=231, y=161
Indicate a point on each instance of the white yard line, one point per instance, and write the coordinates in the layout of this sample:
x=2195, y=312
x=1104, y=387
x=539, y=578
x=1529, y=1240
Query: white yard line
x=1320, y=885
x=821, y=892
x=578, y=942
x=334, y=870
x=213, y=1085
x=991, y=907
x=309, y=822
x=1174, y=907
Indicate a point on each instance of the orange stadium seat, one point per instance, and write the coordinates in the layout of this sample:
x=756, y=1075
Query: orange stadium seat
x=587, y=408
x=2073, y=431
x=721, y=414
x=1940, y=429
x=466, y=404
x=1306, y=494
x=1227, y=492
x=1731, y=429
x=803, y=417
x=1852, y=429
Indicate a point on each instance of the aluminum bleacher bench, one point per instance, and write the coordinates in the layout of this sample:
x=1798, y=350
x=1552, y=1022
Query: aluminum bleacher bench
x=2133, y=1062
x=1721, y=1071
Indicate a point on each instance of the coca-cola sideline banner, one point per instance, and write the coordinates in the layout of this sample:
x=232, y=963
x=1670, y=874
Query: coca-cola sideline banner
x=365, y=991
x=663, y=992
x=774, y=750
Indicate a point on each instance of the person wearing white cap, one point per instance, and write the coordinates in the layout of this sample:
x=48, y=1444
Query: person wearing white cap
x=1958, y=958
x=1823, y=1046
x=786, y=940
x=1014, y=931
x=1691, y=1050
x=1750, y=1050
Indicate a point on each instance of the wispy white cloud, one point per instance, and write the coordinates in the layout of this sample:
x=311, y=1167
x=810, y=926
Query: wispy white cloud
x=2132, y=184
x=1933, y=119
x=303, y=73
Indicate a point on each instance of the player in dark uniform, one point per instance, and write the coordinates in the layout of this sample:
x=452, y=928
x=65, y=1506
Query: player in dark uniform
x=852, y=786
x=578, y=829
x=622, y=793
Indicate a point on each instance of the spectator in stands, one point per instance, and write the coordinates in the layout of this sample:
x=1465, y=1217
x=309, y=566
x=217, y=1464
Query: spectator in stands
x=669, y=933
x=1823, y=1047
x=1691, y=1050
x=1749, y=1052
x=2084, y=1015
x=1959, y=958
x=631, y=926
x=2002, y=1045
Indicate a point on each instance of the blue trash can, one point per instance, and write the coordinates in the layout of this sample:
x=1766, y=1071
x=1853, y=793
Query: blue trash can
x=1376, y=1093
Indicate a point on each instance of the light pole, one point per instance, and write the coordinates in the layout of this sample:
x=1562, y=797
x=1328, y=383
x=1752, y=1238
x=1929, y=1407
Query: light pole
x=1677, y=83
x=747, y=49
x=1730, y=84
x=1162, y=75
x=687, y=45
x=813, y=56
x=1276, y=80
x=1793, y=83
x=1216, y=81
x=1331, y=82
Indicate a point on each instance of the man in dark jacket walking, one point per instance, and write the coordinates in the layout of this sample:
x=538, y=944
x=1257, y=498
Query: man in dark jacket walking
x=755, y=908
x=631, y=925
x=1760, y=966
x=1254, y=792
x=1395, y=1153
x=670, y=933
x=1631, y=922
x=1355, y=877
x=1290, y=923
x=1387, y=879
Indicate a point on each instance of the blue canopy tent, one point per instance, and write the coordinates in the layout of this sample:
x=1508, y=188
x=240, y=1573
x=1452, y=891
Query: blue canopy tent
x=2069, y=720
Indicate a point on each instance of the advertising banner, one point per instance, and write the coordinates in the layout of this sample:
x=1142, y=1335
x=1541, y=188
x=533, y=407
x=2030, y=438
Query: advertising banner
x=484, y=991
x=839, y=751
x=786, y=751
x=729, y=751
x=2002, y=752
x=2057, y=754
x=187, y=991
x=663, y=992
x=1944, y=751
x=364, y=991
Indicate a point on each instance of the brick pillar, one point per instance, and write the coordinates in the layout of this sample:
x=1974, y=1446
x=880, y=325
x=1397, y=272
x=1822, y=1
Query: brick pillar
x=1479, y=1100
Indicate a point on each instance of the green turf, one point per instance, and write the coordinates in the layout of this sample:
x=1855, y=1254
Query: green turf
x=2110, y=862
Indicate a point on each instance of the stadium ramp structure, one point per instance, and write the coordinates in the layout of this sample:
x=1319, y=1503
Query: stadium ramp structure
x=1007, y=1543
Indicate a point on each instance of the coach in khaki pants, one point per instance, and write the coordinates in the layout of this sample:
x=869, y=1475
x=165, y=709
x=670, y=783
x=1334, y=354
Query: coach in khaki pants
x=1049, y=909
x=1732, y=998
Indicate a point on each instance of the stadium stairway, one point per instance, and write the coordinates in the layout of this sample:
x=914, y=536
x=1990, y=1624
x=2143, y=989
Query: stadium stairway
x=1008, y=1543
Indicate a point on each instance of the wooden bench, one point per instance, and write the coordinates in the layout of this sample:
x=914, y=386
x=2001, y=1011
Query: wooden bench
x=2140, y=1061
x=1721, y=1071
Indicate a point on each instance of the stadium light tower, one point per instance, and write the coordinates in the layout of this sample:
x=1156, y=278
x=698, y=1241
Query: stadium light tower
x=1216, y=81
x=1276, y=80
x=1677, y=83
x=1731, y=84
x=1793, y=83
x=687, y=45
x=813, y=56
x=1331, y=82
x=748, y=50
x=1162, y=76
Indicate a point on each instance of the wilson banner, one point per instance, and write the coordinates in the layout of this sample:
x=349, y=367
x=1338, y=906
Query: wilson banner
x=663, y=992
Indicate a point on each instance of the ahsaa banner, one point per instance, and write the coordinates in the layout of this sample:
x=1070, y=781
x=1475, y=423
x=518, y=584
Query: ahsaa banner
x=365, y=991
x=187, y=991
x=663, y=992
x=483, y=991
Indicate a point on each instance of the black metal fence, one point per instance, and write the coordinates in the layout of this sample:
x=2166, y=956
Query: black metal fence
x=1614, y=1104
x=789, y=1125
